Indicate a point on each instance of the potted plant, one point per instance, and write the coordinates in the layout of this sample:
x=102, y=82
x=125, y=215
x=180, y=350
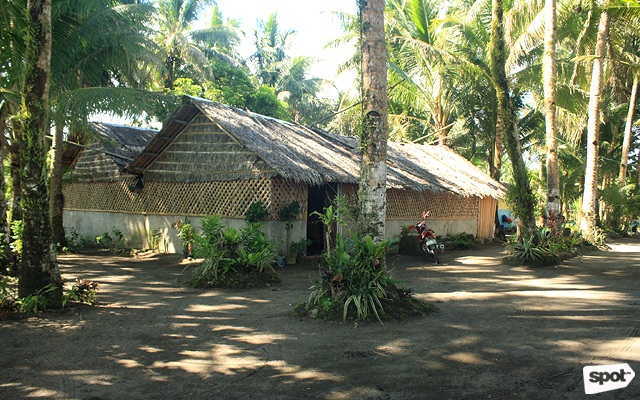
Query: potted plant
x=297, y=248
x=188, y=236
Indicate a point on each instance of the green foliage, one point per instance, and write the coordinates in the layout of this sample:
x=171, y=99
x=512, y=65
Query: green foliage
x=82, y=291
x=38, y=302
x=338, y=213
x=355, y=281
x=299, y=247
x=264, y=101
x=256, y=212
x=186, y=86
x=620, y=206
x=17, y=229
x=230, y=85
x=155, y=236
x=596, y=237
x=187, y=235
x=543, y=248
x=289, y=212
x=231, y=257
x=460, y=241
x=113, y=240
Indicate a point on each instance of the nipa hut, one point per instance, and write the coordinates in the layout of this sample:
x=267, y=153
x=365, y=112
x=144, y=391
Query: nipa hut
x=210, y=158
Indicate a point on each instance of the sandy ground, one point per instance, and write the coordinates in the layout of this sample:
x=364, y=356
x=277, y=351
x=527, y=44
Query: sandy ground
x=502, y=332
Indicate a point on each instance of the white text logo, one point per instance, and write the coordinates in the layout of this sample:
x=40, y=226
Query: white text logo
x=602, y=378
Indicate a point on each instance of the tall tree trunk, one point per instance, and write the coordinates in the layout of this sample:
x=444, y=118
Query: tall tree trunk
x=589, y=204
x=55, y=197
x=626, y=143
x=5, y=251
x=38, y=267
x=372, y=193
x=549, y=77
x=524, y=200
x=495, y=152
x=16, y=175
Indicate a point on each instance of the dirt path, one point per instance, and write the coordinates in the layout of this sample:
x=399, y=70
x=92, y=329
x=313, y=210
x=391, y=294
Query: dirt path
x=502, y=332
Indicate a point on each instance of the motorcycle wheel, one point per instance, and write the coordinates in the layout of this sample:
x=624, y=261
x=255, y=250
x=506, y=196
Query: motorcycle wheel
x=423, y=248
x=434, y=254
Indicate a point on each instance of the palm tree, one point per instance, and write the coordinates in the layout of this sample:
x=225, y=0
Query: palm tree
x=419, y=55
x=626, y=45
x=93, y=73
x=506, y=125
x=270, y=56
x=549, y=82
x=589, y=210
x=373, y=139
x=177, y=39
x=38, y=267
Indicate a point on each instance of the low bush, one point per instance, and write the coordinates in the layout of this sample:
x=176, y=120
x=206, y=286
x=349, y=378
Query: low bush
x=545, y=249
x=355, y=284
x=459, y=241
x=81, y=291
x=231, y=257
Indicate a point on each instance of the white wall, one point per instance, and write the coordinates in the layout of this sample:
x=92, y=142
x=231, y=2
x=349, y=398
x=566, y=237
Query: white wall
x=136, y=228
x=442, y=227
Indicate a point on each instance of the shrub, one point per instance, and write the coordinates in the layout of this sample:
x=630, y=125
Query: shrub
x=460, y=241
x=544, y=248
x=232, y=258
x=82, y=291
x=355, y=284
x=256, y=212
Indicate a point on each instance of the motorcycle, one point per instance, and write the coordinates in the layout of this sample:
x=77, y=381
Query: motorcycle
x=428, y=239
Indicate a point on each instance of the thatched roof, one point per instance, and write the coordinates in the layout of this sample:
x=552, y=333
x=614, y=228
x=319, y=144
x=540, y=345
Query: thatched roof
x=301, y=154
x=118, y=142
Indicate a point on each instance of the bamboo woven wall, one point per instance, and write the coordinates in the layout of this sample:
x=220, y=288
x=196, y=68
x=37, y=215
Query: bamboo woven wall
x=226, y=198
x=95, y=166
x=203, y=153
x=409, y=204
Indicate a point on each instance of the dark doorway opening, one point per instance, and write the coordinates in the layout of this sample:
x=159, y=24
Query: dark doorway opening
x=320, y=197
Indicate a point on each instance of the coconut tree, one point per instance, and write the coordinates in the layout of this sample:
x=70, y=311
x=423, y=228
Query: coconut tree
x=373, y=137
x=38, y=267
x=549, y=83
x=177, y=39
x=506, y=125
x=95, y=73
x=589, y=204
x=272, y=45
x=626, y=45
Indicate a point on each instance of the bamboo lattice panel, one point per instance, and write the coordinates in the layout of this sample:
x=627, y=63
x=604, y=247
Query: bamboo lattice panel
x=408, y=204
x=228, y=198
x=285, y=192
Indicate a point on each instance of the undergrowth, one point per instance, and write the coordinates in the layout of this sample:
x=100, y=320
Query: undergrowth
x=354, y=283
x=544, y=249
x=231, y=257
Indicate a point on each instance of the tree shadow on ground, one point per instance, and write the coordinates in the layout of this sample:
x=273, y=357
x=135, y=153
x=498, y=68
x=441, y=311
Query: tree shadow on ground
x=502, y=332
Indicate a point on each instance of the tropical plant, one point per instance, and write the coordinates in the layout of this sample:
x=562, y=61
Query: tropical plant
x=176, y=38
x=256, y=212
x=231, y=257
x=375, y=125
x=187, y=234
x=333, y=216
x=82, y=291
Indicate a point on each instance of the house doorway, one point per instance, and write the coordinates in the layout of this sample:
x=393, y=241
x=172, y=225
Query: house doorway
x=320, y=197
